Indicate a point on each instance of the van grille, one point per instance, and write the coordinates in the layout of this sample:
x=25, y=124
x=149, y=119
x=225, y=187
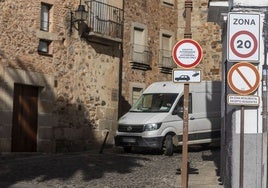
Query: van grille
x=131, y=128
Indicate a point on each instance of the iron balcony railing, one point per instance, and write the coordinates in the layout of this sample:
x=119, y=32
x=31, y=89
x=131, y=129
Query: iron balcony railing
x=166, y=59
x=140, y=54
x=105, y=20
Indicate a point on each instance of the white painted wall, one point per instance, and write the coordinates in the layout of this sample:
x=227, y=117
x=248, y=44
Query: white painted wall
x=254, y=3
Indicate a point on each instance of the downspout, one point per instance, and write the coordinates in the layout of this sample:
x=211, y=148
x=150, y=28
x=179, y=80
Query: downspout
x=121, y=67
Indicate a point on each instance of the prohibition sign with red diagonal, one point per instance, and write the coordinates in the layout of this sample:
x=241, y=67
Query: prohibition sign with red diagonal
x=243, y=78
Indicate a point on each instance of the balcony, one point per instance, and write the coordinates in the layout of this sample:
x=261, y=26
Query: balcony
x=139, y=57
x=166, y=63
x=105, y=22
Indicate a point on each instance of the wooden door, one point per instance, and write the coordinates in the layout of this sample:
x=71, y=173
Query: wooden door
x=25, y=112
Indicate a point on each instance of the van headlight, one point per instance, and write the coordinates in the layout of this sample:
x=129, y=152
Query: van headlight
x=152, y=126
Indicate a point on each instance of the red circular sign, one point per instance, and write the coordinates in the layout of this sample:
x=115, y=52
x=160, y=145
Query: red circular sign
x=243, y=78
x=234, y=50
x=187, y=53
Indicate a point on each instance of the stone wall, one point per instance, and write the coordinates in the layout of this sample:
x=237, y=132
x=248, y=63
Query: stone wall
x=80, y=96
x=157, y=17
x=78, y=102
x=208, y=35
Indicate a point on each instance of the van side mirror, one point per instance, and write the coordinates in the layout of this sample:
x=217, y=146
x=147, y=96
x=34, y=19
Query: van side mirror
x=178, y=111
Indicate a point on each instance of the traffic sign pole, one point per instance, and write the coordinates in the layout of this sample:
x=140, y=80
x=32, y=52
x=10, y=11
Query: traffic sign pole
x=186, y=53
x=187, y=34
x=241, y=171
x=243, y=78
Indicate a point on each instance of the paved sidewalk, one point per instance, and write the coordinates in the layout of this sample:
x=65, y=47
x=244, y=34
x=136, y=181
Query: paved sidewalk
x=205, y=178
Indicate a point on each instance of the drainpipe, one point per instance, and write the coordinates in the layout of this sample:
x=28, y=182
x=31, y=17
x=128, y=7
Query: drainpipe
x=119, y=113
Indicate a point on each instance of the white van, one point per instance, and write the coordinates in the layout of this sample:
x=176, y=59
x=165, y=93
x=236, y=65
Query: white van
x=157, y=116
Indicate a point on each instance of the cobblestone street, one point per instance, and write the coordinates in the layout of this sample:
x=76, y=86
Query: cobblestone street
x=112, y=168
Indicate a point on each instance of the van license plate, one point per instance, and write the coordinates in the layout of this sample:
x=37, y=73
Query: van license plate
x=130, y=140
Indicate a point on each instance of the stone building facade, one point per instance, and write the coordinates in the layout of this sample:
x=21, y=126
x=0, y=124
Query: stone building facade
x=76, y=78
x=161, y=24
x=71, y=82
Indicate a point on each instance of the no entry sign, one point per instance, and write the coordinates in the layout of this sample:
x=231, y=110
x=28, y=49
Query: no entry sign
x=187, y=53
x=243, y=78
x=243, y=37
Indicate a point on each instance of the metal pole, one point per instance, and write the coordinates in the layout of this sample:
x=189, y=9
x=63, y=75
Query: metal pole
x=184, y=171
x=188, y=9
x=104, y=142
x=187, y=34
x=241, y=174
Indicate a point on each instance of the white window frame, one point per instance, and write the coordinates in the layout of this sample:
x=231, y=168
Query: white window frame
x=133, y=85
x=140, y=27
x=139, y=48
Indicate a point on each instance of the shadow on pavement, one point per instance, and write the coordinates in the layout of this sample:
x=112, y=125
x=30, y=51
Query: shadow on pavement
x=42, y=167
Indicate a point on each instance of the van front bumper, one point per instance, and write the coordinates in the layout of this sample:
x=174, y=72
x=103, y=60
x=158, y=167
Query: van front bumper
x=138, y=141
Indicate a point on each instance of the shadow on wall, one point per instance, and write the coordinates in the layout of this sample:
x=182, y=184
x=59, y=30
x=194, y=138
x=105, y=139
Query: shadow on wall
x=59, y=125
x=105, y=47
x=124, y=106
x=214, y=154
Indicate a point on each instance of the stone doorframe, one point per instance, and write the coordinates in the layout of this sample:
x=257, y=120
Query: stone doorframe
x=46, y=104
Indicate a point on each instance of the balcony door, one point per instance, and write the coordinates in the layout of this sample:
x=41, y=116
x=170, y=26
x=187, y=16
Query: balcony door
x=99, y=16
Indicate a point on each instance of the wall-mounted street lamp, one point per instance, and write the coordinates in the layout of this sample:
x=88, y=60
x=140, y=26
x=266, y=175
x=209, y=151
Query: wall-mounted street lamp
x=79, y=16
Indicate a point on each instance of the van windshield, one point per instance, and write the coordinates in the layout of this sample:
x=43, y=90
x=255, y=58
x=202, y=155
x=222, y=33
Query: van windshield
x=154, y=102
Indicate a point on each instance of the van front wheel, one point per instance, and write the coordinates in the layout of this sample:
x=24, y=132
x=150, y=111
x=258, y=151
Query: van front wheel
x=128, y=149
x=168, y=145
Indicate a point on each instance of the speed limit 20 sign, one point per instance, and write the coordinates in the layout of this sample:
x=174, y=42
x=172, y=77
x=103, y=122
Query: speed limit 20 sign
x=243, y=37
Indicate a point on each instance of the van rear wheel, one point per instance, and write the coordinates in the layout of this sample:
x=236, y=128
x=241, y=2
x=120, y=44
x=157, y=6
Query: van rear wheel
x=168, y=145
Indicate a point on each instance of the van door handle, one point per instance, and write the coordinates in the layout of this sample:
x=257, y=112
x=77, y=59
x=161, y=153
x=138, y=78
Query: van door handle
x=192, y=118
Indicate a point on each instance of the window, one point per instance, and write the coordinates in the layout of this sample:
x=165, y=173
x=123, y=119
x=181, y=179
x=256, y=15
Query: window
x=166, y=42
x=181, y=101
x=136, y=93
x=44, y=18
x=139, y=48
x=166, y=50
x=43, y=46
x=154, y=102
x=139, y=39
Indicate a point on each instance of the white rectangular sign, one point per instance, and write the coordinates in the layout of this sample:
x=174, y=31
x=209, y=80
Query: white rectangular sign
x=186, y=75
x=250, y=3
x=243, y=37
x=243, y=100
